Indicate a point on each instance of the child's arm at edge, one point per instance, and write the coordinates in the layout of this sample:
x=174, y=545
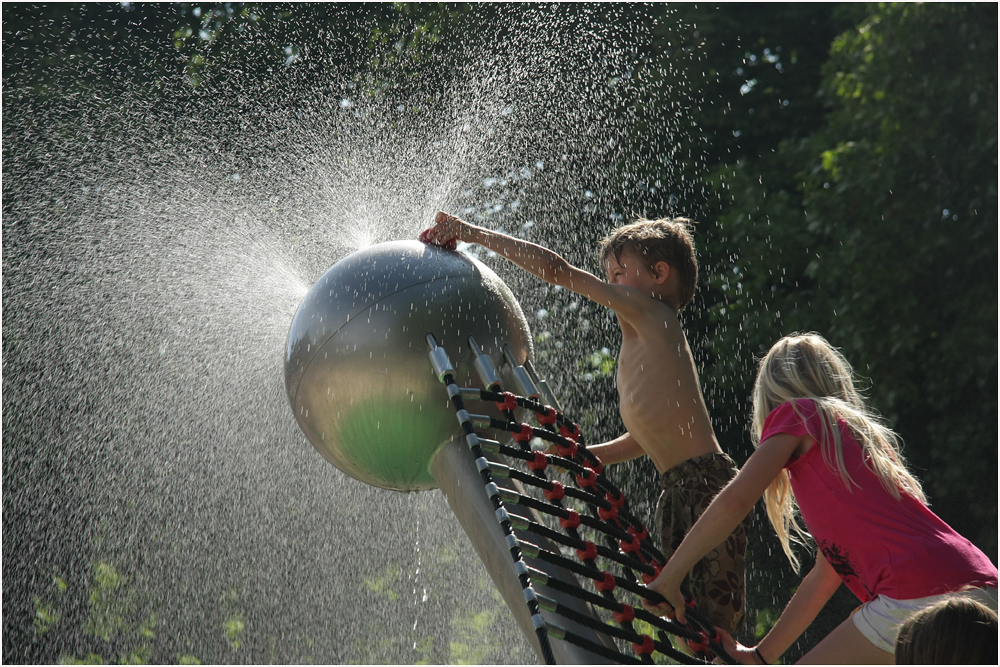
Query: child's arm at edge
x=622, y=448
x=813, y=593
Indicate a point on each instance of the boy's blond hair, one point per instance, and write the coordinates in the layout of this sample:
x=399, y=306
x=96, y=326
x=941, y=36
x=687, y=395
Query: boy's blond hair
x=807, y=366
x=663, y=240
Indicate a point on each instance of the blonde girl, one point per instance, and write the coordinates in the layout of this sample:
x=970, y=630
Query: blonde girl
x=823, y=455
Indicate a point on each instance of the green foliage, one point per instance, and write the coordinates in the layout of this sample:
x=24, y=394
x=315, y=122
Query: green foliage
x=766, y=618
x=45, y=616
x=913, y=177
x=423, y=647
x=740, y=79
x=473, y=641
x=234, y=627
x=48, y=608
x=468, y=647
x=90, y=659
x=382, y=584
x=597, y=365
x=114, y=615
x=107, y=602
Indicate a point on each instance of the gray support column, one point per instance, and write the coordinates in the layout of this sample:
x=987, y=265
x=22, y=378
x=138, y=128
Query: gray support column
x=454, y=469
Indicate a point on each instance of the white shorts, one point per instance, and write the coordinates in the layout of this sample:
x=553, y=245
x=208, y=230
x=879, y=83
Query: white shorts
x=880, y=619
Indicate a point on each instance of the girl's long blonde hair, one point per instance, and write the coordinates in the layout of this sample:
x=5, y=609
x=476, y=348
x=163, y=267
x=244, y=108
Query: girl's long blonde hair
x=807, y=366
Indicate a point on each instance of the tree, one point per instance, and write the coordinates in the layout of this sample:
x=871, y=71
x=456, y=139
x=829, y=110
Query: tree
x=885, y=241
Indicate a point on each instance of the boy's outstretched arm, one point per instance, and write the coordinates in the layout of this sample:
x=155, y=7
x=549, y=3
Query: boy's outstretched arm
x=533, y=258
x=622, y=448
x=540, y=262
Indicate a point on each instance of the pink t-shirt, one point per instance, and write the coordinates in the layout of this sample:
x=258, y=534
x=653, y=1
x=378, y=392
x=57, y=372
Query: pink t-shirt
x=877, y=544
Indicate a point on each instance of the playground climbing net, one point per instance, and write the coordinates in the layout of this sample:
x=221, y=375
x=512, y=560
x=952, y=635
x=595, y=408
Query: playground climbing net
x=612, y=564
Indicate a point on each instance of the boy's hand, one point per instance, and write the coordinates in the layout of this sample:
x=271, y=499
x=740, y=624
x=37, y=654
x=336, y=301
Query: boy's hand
x=446, y=232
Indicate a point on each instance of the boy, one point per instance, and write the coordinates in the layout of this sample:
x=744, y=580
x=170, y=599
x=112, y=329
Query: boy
x=651, y=271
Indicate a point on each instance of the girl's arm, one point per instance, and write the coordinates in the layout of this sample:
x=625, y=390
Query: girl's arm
x=815, y=590
x=722, y=516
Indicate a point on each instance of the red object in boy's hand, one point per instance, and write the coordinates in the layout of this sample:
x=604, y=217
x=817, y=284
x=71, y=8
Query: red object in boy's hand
x=425, y=236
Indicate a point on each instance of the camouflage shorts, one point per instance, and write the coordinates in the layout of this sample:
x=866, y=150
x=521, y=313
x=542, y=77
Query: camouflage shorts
x=718, y=581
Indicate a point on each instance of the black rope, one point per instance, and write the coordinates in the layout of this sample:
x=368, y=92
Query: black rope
x=659, y=622
x=593, y=647
x=571, y=465
x=621, y=633
x=673, y=627
x=545, y=483
x=578, y=544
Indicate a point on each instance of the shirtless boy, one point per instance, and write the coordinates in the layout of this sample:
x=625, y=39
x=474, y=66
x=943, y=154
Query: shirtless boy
x=651, y=275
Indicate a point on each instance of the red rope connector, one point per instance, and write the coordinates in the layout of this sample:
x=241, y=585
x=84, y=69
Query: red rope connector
x=587, y=478
x=699, y=646
x=588, y=553
x=648, y=578
x=643, y=535
x=539, y=462
x=557, y=492
x=566, y=452
x=630, y=546
x=573, y=434
x=615, y=502
x=572, y=521
x=509, y=401
x=608, y=583
x=525, y=434
x=607, y=515
x=546, y=416
x=646, y=647
x=626, y=615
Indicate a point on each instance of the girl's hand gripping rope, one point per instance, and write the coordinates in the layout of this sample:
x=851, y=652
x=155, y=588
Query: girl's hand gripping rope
x=668, y=585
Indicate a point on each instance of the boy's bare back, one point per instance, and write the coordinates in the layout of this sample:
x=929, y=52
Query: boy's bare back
x=660, y=398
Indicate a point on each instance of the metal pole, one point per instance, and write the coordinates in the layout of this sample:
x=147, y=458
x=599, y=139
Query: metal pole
x=454, y=469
